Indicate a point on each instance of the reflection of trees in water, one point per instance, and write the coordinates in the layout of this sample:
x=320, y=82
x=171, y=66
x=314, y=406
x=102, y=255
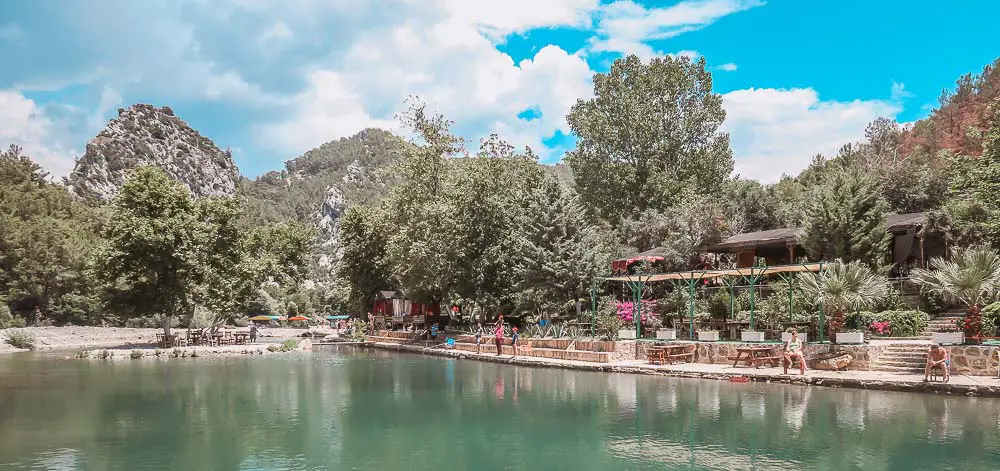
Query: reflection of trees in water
x=412, y=412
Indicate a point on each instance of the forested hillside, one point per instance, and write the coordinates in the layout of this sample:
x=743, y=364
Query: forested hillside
x=493, y=229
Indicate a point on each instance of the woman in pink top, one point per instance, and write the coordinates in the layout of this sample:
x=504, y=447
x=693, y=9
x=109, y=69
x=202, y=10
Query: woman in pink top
x=498, y=331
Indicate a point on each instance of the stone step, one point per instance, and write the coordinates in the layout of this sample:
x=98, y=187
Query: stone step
x=897, y=369
x=902, y=357
x=899, y=364
x=904, y=350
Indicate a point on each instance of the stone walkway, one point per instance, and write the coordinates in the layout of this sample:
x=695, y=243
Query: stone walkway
x=959, y=384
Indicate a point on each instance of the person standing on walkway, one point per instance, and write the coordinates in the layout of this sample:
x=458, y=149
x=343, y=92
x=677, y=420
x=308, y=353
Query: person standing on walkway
x=498, y=333
x=513, y=339
x=253, y=332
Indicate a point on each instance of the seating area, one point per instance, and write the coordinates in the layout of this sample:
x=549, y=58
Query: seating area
x=668, y=354
x=203, y=337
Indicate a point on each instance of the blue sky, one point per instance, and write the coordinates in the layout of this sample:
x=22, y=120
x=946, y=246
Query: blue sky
x=273, y=78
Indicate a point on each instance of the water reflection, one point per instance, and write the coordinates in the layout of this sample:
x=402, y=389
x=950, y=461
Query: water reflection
x=373, y=410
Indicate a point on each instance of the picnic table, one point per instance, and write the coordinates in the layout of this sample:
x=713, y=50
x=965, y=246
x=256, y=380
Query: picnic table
x=241, y=337
x=667, y=354
x=755, y=356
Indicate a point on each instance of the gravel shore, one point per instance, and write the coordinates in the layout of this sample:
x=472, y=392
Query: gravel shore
x=69, y=338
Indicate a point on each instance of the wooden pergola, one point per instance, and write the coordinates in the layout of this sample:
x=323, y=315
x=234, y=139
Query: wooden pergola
x=689, y=279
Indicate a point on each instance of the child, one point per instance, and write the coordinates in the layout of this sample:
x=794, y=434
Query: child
x=513, y=340
x=479, y=339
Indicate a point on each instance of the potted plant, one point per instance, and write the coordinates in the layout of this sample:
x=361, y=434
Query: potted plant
x=842, y=286
x=708, y=335
x=954, y=337
x=752, y=335
x=850, y=336
x=787, y=335
x=971, y=276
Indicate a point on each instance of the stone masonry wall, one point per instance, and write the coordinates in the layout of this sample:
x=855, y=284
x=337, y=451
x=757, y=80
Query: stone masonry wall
x=973, y=360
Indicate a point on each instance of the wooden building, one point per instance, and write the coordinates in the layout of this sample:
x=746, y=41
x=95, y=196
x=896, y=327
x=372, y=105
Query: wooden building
x=909, y=246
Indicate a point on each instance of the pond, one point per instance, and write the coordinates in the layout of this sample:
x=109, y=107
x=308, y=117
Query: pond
x=362, y=409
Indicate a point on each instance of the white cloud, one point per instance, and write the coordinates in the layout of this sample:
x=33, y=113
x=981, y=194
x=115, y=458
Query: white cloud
x=42, y=138
x=775, y=132
x=727, y=67
x=626, y=27
x=449, y=63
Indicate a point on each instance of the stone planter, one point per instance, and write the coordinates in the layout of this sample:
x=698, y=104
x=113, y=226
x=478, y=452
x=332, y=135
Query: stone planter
x=626, y=334
x=955, y=338
x=786, y=336
x=751, y=336
x=850, y=337
x=708, y=335
x=666, y=334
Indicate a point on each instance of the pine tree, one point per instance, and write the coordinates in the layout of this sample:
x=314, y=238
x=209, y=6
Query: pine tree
x=845, y=218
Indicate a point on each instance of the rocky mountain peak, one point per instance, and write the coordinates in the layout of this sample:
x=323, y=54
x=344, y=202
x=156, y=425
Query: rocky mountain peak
x=144, y=135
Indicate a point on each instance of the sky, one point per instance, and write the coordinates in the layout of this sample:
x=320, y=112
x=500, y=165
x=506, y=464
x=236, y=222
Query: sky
x=271, y=79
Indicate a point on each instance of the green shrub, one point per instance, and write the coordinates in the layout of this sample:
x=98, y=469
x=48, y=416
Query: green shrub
x=903, y=323
x=360, y=331
x=21, y=339
x=932, y=303
x=991, y=319
x=135, y=354
x=289, y=345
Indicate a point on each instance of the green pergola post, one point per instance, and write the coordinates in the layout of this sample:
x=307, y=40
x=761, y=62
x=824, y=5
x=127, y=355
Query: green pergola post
x=790, y=280
x=731, y=284
x=692, y=283
x=637, y=288
x=752, y=281
x=822, y=306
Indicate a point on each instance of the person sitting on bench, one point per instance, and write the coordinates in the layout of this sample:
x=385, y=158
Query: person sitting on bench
x=793, y=350
x=937, y=357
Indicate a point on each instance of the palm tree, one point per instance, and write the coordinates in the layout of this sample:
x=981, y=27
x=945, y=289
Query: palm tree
x=843, y=286
x=972, y=277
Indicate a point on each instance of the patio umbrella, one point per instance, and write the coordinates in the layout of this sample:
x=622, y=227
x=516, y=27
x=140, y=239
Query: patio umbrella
x=260, y=318
x=298, y=318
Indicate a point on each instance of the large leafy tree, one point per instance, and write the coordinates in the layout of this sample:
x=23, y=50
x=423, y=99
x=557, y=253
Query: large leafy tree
x=364, y=266
x=650, y=131
x=974, y=200
x=45, y=239
x=165, y=253
x=419, y=247
x=489, y=200
x=564, y=251
x=845, y=218
x=150, y=259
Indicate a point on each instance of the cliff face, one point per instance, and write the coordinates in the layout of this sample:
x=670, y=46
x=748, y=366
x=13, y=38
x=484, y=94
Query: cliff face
x=143, y=135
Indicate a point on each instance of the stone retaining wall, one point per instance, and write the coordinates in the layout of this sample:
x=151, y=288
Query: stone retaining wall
x=719, y=352
x=973, y=360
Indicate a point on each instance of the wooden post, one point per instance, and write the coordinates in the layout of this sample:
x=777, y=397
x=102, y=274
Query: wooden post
x=791, y=253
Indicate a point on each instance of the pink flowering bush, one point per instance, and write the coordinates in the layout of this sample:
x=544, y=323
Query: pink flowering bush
x=647, y=311
x=882, y=328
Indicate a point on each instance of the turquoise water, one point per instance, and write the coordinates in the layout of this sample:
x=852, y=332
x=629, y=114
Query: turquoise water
x=371, y=410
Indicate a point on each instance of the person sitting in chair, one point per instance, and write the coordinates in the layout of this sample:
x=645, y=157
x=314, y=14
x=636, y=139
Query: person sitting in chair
x=793, y=351
x=937, y=357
